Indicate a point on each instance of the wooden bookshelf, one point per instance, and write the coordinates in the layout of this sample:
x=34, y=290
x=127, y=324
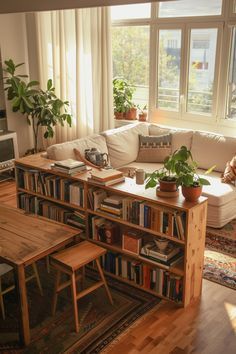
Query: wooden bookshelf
x=189, y=268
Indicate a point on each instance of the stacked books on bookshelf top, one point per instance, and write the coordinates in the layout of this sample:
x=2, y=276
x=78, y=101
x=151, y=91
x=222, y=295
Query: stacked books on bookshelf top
x=69, y=166
x=106, y=177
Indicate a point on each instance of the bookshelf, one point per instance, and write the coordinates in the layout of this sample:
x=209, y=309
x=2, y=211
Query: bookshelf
x=75, y=200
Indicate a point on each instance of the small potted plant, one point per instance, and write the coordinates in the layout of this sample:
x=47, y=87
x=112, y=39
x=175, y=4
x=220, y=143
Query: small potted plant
x=142, y=116
x=165, y=176
x=187, y=176
x=131, y=111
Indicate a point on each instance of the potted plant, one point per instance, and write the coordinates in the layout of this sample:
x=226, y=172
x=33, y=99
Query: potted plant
x=131, y=111
x=187, y=176
x=42, y=108
x=142, y=116
x=122, y=97
x=164, y=176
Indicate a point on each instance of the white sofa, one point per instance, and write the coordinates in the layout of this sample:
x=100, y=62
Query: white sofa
x=122, y=145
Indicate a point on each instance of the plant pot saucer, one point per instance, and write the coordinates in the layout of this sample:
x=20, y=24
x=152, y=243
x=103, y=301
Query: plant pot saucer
x=167, y=194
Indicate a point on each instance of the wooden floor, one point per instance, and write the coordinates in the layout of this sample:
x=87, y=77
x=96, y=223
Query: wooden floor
x=207, y=327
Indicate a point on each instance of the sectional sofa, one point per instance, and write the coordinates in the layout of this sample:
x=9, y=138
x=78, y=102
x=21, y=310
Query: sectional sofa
x=122, y=146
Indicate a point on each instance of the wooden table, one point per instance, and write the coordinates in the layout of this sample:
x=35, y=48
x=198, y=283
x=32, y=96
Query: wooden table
x=23, y=240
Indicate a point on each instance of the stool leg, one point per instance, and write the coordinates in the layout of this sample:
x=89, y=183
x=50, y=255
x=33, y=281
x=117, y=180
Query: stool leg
x=1, y=300
x=104, y=280
x=83, y=276
x=74, y=299
x=37, y=278
x=55, y=295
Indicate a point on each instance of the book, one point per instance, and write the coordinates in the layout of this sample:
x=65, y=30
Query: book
x=98, y=196
x=72, y=171
x=69, y=164
x=114, y=200
x=106, y=175
x=151, y=249
x=107, y=183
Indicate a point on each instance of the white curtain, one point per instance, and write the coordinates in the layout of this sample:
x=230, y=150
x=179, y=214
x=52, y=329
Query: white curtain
x=75, y=52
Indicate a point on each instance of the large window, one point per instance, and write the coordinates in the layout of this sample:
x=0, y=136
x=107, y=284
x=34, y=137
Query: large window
x=173, y=53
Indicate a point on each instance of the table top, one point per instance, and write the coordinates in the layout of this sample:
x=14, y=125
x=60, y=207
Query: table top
x=25, y=238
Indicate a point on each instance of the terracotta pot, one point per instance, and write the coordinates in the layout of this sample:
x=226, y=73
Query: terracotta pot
x=131, y=114
x=167, y=186
x=142, y=117
x=119, y=115
x=192, y=194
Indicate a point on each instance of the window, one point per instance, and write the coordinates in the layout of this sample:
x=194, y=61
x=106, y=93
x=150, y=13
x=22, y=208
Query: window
x=232, y=79
x=169, y=69
x=130, y=48
x=201, y=70
x=185, y=8
x=177, y=59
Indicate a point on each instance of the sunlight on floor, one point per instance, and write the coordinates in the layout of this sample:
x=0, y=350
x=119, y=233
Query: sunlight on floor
x=231, y=312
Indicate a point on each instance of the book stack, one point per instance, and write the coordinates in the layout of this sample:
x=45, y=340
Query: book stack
x=112, y=205
x=106, y=177
x=167, y=257
x=69, y=166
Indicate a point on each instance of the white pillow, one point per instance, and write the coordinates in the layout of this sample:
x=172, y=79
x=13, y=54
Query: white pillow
x=123, y=143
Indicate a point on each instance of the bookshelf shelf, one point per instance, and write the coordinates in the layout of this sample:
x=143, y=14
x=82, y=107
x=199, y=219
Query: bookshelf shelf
x=186, y=274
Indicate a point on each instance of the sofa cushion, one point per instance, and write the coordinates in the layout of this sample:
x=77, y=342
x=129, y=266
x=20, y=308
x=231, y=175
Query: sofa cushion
x=66, y=150
x=180, y=137
x=210, y=149
x=154, y=148
x=123, y=143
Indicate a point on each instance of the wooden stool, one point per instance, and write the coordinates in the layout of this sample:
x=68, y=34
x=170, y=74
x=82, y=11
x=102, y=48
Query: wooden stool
x=69, y=261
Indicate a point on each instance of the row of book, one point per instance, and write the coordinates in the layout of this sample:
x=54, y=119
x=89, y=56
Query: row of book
x=143, y=213
x=158, y=280
x=53, y=186
x=38, y=206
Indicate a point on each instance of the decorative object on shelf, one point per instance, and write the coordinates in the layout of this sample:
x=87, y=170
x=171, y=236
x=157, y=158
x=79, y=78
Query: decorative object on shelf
x=42, y=108
x=96, y=157
x=161, y=243
x=142, y=115
x=122, y=99
x=128, y=171
x=140, y=176
x=132, y=241
x=168, y=194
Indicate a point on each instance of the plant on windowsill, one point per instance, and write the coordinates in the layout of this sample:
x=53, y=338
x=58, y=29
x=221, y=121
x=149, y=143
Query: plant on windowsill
x=142, y=115
x=42, y=108
x=122, y=97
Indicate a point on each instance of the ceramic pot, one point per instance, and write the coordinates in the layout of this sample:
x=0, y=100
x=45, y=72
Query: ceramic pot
x=131, y=114
x=167, y=186
x=119, y=115
x=192, y=194
x=142, y=117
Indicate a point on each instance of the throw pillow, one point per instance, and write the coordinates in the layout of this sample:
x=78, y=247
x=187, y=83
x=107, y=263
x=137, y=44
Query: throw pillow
x=154, y=148
x=229, y=175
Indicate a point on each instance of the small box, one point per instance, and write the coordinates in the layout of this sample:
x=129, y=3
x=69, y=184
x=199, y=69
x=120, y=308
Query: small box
x=132, y=241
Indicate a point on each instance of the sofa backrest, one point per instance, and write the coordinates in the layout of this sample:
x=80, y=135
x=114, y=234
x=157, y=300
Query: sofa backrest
x=66, y=150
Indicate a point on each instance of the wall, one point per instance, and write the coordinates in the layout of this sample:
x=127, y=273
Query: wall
x=13, y=45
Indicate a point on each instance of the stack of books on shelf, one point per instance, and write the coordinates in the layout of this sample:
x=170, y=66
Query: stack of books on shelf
x=112, y=205
x=69, y=166
x=106, y=177
x=168, y=257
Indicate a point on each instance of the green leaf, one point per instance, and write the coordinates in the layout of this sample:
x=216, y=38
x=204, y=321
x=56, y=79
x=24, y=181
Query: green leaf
x=203, y=182
x=49, y=84
x=33, y=83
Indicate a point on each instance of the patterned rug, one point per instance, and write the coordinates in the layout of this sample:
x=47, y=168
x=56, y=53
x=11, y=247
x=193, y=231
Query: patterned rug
x=220, y=255
x=100, y=322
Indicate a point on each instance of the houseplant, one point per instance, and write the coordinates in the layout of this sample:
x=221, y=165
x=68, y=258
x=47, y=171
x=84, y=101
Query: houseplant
x=164, y=176
x=142, y=115
x=42, y=108
x=122, y=98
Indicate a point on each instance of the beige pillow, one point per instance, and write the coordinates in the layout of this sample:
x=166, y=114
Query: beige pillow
x=210, y=149
x=154, y=148
x=229, y=175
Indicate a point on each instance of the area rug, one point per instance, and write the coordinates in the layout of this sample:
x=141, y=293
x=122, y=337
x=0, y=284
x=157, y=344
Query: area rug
x=100, y=322
x=220, y=255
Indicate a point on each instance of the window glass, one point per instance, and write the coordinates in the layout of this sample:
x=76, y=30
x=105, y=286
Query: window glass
x=183, y=8
x=232, y=79
x=130, y=53
x=201, y=70
x=135, y=11
x=169, y=69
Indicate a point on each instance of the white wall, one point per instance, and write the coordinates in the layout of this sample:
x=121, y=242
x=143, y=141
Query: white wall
x=13, y=45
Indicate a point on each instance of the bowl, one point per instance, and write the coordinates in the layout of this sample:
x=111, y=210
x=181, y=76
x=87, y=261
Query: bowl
x=161, y=243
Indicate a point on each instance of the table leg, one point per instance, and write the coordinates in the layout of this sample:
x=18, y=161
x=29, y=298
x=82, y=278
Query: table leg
x=23, y=305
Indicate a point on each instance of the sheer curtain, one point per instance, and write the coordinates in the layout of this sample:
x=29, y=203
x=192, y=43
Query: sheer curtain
x=75, y=52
